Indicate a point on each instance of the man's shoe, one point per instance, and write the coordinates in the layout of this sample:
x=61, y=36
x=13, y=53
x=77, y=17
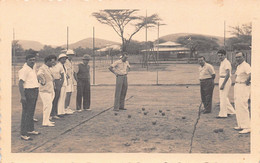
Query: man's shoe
x=122, y=109
x=68, y=112
x=117, y=110
x=229, y=115
x=206, y=112
x=49, y=125
x=56, y=117
x=79, y=110
x=238, y=128
x=218, y=117
x=245, y=131
x=34, y=133
x=52, y=122
x=35, y=120
x=26, y=138
x=87, y=109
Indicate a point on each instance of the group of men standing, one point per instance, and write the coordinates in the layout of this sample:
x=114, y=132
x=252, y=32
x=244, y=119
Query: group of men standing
x=54, y=82
x=241, y=89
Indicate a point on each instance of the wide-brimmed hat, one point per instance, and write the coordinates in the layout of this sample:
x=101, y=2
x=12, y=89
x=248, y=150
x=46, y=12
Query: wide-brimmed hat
x=62, y=55
x=86, y=57
x=70, y=52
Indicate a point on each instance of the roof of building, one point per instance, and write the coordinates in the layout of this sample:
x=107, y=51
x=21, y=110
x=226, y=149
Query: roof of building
x=169, y=43
x=169, y=49
x=110, y=47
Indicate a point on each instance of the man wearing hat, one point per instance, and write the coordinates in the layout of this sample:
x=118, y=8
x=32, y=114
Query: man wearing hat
x=70, y=73
x=61, y=69
x=28, y=87
x=120, y=68
x=82, y=77
x=224, y=85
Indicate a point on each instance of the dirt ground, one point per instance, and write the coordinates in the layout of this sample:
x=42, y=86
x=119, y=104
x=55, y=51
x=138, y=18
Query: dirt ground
x=131, y=131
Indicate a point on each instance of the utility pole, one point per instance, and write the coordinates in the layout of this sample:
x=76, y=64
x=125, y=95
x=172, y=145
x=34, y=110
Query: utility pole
x=67, y=38
x=224, y=34
x=146, y=46
x=94, y=56
x=14, y=58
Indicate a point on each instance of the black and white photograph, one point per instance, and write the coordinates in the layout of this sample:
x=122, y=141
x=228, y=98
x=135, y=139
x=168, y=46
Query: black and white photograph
x=129, y=81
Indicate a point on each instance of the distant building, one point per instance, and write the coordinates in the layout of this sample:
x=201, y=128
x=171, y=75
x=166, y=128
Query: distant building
x=108, y=49
x=169, y=50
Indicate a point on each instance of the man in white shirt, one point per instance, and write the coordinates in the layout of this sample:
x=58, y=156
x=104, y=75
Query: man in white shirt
x=242, y=94
x=46, y=89
x=28, y=87
x=206, y=76
x=71, y=81
x=120, y=68
x=224, y=86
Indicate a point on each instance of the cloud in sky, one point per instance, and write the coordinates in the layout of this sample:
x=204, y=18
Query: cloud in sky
x=46, y=21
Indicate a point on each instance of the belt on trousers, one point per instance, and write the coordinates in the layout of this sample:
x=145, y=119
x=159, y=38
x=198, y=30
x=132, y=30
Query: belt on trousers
x=205, y=79
x=36, y=88
x=222, y=76
x=240, y=82
x=122, y=75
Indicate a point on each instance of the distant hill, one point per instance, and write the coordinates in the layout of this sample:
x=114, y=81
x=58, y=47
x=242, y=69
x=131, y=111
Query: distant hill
x=26, y=44
x=174, y=37
x=88, y=42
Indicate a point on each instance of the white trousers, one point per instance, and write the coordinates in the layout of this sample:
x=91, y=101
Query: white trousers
x=61, y=101
x=225, y=106
x=242, y=94
x=47, y=99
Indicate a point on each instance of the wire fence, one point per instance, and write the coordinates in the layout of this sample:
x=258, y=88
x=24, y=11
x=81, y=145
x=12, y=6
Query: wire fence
x=153, y=73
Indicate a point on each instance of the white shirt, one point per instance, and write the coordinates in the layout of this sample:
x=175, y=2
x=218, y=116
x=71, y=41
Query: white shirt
x=70, y=71
x=120, y=67
x=45, y=74
x=57, y=70
x=225, y=65
x=206, y=71
x=243, y=71
x=28, y=75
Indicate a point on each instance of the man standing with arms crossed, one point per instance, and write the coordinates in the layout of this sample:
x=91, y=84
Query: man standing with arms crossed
x=242, y=94
x=28, y=86
x=224, y=86
x=206, y=76
x=120, y=68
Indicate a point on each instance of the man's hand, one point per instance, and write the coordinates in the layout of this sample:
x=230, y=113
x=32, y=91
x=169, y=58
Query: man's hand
x=23, y=99
x=248, y=82
x=222, y=87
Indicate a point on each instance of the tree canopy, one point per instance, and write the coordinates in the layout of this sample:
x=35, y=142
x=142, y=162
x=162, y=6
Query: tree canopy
x=242, y=37
x=120, y=19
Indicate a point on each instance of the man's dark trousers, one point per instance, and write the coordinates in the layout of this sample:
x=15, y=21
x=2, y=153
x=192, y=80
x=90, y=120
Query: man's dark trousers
x=83, y=91
x=27, y=124
x=206, y=90
x=57, y=90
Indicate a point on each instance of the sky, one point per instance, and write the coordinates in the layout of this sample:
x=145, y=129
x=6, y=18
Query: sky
x=46, y=21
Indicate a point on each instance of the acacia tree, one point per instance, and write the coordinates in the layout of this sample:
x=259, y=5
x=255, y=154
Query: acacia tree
x=120, y=19
x=242, y=37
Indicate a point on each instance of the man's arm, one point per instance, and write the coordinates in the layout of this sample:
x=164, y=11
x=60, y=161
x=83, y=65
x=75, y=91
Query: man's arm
x=225, y=80
x=21, y=89
x=248, y=80
x=213, y=76
x=112, y=70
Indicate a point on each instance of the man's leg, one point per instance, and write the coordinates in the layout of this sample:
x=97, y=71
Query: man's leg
x=222, y=99
x=61, y=101
x=229, y=107
x=123, y=93
x=86, y=95
x=54, y=110
x=208, y=95
x=79, y=94
x=203, y=94
x=24, y=120
x=119, y=84
x=67, y=99
x=31, y=104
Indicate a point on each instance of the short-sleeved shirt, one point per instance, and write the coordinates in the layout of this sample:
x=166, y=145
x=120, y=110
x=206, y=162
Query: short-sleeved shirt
x=45, y=74
x=28, y=75
x=206, y=71
x=242, y=73
x=120, y=67
x=57, y=70
x=224, y=65
x=70, y=71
